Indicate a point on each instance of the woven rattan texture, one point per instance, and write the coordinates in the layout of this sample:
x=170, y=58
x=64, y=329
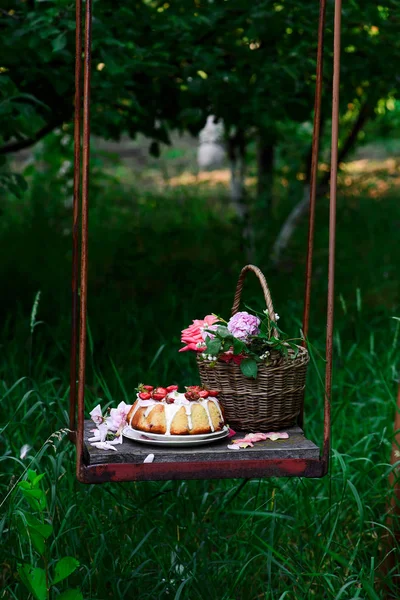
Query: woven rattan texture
x=270, y=402
x=273, y=400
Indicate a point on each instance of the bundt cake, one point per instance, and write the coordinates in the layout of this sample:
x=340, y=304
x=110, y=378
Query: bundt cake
x=166, y=411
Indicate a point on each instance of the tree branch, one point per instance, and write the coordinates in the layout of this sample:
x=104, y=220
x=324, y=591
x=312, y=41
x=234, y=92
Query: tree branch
x=301, y=208
x=27, y=142
x=11, y=15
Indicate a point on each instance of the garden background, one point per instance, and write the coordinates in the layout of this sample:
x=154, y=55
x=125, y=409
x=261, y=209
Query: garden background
x=166, y=246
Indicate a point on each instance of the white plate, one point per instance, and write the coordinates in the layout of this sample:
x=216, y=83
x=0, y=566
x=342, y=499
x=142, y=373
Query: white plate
x=174, y=440
x=178, y=438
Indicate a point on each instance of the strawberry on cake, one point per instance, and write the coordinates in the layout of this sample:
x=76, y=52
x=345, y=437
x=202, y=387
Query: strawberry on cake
x=169, y=412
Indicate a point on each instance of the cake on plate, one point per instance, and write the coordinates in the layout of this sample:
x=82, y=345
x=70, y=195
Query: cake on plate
x=167, y=411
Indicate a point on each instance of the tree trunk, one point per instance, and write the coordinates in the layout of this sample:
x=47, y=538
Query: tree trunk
x=301, y=209
x=237, y=154
x=289, y=226
x=265, y=172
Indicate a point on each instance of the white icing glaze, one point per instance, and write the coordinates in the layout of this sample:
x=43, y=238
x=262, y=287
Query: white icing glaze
x=188, y=410
x=171, y=410
x=204, y=404
x=216, y=403
x=142, y=403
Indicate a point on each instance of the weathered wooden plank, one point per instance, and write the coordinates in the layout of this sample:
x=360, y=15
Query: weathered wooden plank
x=296, y=447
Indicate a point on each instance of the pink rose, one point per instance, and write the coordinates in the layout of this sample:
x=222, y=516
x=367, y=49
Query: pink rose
x=194, y=335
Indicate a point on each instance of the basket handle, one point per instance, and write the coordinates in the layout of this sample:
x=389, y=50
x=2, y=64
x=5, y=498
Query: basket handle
x=264, y=287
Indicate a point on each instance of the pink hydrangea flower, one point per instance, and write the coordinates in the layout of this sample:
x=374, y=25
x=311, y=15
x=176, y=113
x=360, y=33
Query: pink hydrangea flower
x=243, y=324
x=194, y=335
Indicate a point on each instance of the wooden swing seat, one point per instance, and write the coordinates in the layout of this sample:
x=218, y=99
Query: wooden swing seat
x=294, y=457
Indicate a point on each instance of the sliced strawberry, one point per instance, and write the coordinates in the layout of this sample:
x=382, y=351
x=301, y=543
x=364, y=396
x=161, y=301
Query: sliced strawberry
x=157, y=396
x=194, y=388
x=192, y=396
x=213, y=393
x=172, y=388
x=144, y=395
x=169, y=400
x=203, y=394
x=160, y=390
x=148, y=388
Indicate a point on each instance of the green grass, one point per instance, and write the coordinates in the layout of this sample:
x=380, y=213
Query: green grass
x=156, y=262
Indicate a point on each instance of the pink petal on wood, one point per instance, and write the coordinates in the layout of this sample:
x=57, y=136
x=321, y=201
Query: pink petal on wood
x=277, y=435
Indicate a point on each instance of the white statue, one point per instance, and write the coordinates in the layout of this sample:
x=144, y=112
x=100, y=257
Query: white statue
x=211, y=152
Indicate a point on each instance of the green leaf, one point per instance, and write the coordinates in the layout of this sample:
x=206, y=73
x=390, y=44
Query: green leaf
x=34, y=580
x=59, y=43
x=223, y=332
x=64, y=568
x=238, y=346
x=37, y=541
x=213, y=346
x=43, y=528
x=35, y=482
x=31, y=475
x=249, y=368
x=70, y=595
x=24, y=485
x=36, y=498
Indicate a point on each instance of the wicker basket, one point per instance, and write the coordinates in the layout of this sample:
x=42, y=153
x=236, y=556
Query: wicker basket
x=273, y=400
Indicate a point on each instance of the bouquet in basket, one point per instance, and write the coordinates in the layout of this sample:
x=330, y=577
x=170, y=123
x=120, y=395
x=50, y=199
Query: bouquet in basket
x=247, y=339
x=259, y=371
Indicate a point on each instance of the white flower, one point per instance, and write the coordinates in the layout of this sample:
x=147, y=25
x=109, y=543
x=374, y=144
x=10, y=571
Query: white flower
x=104, y=446
x=97, y=415
x=100, y=433
x=277, y=317
x=117, y=419
x=209, y=357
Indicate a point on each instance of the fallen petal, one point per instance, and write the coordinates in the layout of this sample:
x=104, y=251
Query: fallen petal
x=255, y=437
x=231, y=432
x=95, y=438
x=245, y=444
x=149, y=458
x=24, y=450
x=104, y=446
x=276, y=435
x=102, y=431
x=117, y=440
x=249, y=439
x=233, y=447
